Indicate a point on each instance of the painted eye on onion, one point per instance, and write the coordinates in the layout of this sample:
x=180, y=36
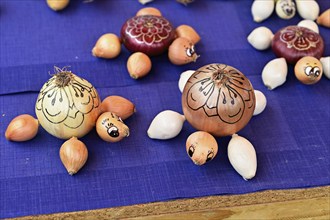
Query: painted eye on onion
x=210, y=156
x=308, y=70
x=190, y=51
x=316, y=71
x=113, y=131
x=191, y=151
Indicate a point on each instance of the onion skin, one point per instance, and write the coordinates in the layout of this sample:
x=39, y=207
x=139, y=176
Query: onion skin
x=149, y=11
x=201, y=147
x=148, y=34
x=138, y=65
x=188, y=32
x=111, y=128
x=108, y=46
x=287, y=43
x=57, y=5
x=308, y=70
x=22, y=128
x=218, y=99
x=182, y=51
x=118, y=105
x=324, y=19
x=67, y=105
x=73, y=154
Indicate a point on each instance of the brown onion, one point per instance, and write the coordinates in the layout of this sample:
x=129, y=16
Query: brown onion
x=148, y=34
x=308, y=70
x=107, y=46
x=201, y=147
x=182, y=51
x=188, y=32
x=218, y=99
x=294, y=42
x=149, y=11
x=118, y=105
x=111, y=128
x=324, y=19
x=138, y=65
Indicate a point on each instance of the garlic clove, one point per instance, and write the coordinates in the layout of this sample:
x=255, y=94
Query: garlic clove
x=262, y=9
x=201, y=147
x=285, y=9
x=108, y=46
x=182, y=51
x=22, y=128
x=325, y=61
x=309, y=24
x=242, y=156
x=308, y=9
x=57, y=5
x=184, y=78
x=324, y=19
x=274, y=73
x=138, y=65
x=261, y=38
x=143, y=2
x=111, y=128
x=73, y=154
x=188, y=32
x=149, y=11
x=166, y=125
x=118, y=105
x=261, y=102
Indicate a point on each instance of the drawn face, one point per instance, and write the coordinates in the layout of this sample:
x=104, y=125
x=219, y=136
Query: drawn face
x=312, y=70
x=111, y=128
x=190, y=50
x=288, y=7
x=67, y=101
x=308, y=70
x=200, y=154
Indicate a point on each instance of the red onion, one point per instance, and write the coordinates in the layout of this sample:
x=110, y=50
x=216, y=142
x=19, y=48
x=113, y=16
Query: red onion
x=295, y=42
x=148, y=34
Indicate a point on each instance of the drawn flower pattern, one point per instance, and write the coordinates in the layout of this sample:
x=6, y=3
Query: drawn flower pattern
x=149, y=29
x=220, y=91
x=299, y=38
x=79, y=96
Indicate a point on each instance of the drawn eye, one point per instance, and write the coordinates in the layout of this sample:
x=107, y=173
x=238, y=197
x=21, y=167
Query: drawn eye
x=308, y=70
x=210, y=156
x=113, y=131
x=316, y=71
x=191, y=150
x=190, y=51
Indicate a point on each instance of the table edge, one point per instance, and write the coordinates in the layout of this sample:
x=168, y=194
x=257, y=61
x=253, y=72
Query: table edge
x=285, y=200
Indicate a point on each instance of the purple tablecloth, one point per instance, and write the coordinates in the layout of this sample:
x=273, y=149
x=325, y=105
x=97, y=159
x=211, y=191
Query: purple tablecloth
x=291, y=136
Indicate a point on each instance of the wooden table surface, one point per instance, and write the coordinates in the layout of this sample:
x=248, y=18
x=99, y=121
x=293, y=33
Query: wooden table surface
x=310, y=203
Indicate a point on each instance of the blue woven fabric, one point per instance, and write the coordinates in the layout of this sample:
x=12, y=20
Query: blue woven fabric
x=291, y=136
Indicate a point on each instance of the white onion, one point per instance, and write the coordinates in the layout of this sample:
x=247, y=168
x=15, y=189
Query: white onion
x=67, y=105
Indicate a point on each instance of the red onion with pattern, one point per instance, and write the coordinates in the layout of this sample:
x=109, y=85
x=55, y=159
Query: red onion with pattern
x=148, y=34
x=294, y=42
